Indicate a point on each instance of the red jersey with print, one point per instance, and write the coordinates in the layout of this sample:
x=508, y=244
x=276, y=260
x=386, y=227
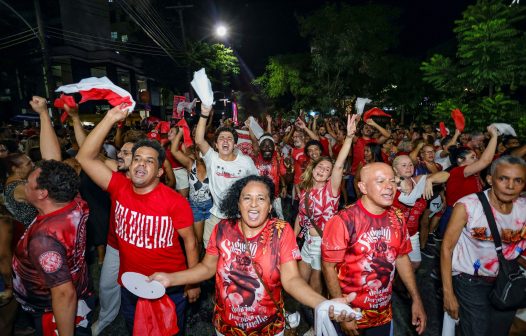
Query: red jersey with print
x=49, y=254
x=272, y=169
x=364, y=247
x=325, y=145
x=146, y=227
x=242, y=303
x=322, y=205
x=358, y=152
x=300, y=162
x=458, y=186
x=412, y=214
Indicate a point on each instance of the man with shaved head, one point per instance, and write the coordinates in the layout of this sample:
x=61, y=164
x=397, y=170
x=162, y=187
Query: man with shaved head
x=361, y=248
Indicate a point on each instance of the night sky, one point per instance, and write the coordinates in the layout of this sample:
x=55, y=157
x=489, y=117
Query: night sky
x=263, y=28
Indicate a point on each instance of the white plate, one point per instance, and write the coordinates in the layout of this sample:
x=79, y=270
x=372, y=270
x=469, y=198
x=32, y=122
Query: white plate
x=138, y=284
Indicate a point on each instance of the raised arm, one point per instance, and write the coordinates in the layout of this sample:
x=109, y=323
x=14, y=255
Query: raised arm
x=193, y=275
x=451, y=142
x=175, y=137
x=385, y=134
x=487, y=156
x=269, y=123
x=49, y=146
x=414, y=153
x=87, y=156
x=301, y=124
x=80, y=134
x=201, y=129
x=337, y=169
x=287, y=136
x=169, y=177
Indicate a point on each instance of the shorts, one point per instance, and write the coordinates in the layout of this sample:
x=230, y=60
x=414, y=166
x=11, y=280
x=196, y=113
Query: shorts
x=311, y=251
x=181, y=178
x=201, y=210
x=210, y=223
x=415, y=255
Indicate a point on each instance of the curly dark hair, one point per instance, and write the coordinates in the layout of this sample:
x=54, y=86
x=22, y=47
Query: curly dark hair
x=152, y=144
x=60, y=180
x=226, y=129
x=229, y=206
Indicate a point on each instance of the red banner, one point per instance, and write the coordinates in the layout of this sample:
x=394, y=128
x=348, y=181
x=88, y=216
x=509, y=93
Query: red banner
x=178, y=114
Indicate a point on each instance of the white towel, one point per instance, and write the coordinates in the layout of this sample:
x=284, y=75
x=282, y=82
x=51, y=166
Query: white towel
x=255, y=128
x=203, y=87
x=411, y=198
x=360, y=104
x=323, y=324
x=504, y=129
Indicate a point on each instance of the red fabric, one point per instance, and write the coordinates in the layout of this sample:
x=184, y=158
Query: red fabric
x=443, y=131
x=374, y=112
x=178, y=114
x=187, y=135
x=154, y=135
x=169, y=156
x=163, y=127
x=458, y=186
x=146, y=227
x=64, y=100
x=155, y=317
x=325, y=144
x=336, y=149
x=358, y=152
x=459, y=120
x=241, y=299
x=98, y=94
x=273, y=169
x=364, y=247
x=300, y=163
x=412, y=214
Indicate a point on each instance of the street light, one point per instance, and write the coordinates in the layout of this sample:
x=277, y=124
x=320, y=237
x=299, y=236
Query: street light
x=221, y=31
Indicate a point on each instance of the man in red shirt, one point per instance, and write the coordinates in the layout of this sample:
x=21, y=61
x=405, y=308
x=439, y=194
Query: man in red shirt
x=361, y=248
x=150, y=217
x=50, y=275
x=358, y=150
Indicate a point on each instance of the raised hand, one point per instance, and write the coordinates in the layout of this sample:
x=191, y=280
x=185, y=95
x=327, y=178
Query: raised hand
x=352, y=122
x=73, y=112
x=38, y=104
x=118, y=113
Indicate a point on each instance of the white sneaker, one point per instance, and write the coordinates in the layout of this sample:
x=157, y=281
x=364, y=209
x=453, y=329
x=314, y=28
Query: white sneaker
x=293, y=319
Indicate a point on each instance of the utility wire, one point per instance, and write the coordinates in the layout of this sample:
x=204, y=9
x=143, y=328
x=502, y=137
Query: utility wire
x=13, y=35
x=15, y=43
x=69, y=32
x=17, y=39
x=105, y=45
x=162, y=24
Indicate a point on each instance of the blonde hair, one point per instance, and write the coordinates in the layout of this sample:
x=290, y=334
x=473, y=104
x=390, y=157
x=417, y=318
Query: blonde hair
x=307, y=180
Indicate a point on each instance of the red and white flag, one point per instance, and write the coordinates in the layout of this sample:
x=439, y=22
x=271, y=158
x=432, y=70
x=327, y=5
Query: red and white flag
x=94, y=88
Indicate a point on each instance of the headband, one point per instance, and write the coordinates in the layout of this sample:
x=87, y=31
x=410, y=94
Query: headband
x=265, y=137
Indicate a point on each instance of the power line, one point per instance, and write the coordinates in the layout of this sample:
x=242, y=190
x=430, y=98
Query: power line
x=69, y=32
x=12, y=35
x=17, y=38
x=13, y=44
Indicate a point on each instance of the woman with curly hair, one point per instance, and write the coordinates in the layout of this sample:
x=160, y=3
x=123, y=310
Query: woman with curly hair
x=319, y=200
x=252, y=257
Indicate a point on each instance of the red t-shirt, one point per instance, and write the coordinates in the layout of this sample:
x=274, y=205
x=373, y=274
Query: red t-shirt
x=241, y=300
x=325, y=144
x=273, y=169
x=173, y=162
x=146, y=227
x=364, y=247
x=51, y=253
x=358, y=154
x=458, y=186
x=112, y=237
x=412, y=214
x=336, y=149
x=322, y=206
x=300, y=162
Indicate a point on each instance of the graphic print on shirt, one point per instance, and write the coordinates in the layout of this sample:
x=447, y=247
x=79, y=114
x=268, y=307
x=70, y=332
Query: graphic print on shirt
x=241, y=299
x=144, y=231
x=222, y=172
x=322, y=207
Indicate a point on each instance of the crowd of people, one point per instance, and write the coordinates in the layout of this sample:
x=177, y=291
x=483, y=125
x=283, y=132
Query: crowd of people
x=330, y=207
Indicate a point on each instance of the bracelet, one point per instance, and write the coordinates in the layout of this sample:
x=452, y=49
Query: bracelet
x=204, y=117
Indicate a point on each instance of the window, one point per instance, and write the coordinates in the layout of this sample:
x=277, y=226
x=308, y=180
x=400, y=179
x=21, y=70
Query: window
x=124, y=38
x=114, y=36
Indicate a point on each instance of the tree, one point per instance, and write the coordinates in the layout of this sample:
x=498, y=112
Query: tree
x=218, y=60
x=490, y=64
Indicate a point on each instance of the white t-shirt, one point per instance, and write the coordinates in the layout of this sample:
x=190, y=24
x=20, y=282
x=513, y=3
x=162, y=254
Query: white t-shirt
x=475, y=251
x=445, y=162
x=222, y=174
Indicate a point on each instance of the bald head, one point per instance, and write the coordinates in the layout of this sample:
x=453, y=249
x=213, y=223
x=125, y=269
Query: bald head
x=377, y=186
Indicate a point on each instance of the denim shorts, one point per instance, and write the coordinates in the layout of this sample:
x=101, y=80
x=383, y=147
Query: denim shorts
x=201, y=210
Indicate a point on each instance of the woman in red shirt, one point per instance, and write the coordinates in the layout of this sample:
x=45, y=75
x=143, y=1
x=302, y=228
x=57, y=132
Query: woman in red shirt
x=464, y=179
